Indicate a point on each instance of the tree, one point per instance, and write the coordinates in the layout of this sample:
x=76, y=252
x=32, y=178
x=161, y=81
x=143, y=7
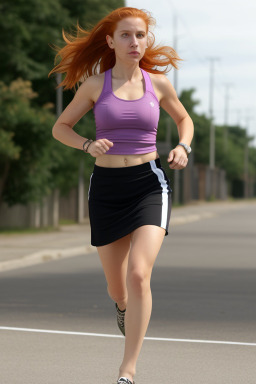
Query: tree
x=29, y=28
x=32, y=162
x=231, y=160
x=24, y=152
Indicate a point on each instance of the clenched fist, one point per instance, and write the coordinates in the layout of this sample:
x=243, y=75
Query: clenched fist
x=178, y=158
x=99, y=147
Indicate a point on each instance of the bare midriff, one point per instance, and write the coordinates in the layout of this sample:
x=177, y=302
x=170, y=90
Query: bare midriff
x=117, y=161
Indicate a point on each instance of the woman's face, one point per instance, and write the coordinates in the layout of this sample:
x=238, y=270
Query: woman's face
x=130, y=36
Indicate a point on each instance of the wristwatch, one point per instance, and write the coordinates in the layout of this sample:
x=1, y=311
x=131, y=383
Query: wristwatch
x=186, y=147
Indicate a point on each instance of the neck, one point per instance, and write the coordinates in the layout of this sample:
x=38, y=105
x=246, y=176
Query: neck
x=125, y=72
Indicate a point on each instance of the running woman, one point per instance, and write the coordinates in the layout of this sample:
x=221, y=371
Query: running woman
x=121, y=78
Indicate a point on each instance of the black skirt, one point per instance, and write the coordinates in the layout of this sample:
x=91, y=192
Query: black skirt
x=123, y=199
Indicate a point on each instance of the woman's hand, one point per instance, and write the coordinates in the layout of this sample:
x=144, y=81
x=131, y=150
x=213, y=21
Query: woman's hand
x=99, y=147
x=178, y=158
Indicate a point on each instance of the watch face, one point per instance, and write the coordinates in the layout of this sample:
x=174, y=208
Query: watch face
x=188, y=149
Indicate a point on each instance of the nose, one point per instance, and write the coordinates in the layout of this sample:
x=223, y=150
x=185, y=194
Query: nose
x=134, y=42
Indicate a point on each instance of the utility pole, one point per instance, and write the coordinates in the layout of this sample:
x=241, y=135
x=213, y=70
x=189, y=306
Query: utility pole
x=212, y=131
x=168, y=134
x=212, y=127
x=175, y=44
x=246, y=158
x=55, y=194
x=59, y=95
x=246, y=166
x=226, y=111
x=168, y=118
x=175, y=84
x=238, y=116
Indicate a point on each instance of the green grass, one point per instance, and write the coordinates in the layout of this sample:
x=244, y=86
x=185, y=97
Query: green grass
x=28, y=230
x=211, y=198
x=67, y=222
x=176, y=205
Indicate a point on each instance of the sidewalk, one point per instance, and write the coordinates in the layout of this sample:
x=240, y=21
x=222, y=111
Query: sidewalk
x=20, y=250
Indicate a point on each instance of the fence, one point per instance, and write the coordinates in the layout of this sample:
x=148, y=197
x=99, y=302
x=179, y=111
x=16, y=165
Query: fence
x=195, y=182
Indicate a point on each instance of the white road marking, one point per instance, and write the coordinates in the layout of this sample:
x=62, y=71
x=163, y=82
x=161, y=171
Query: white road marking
x=118, y=336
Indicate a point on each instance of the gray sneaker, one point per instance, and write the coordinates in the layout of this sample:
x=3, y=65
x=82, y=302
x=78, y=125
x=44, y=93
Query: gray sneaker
x=120, y=319
x=124, y=380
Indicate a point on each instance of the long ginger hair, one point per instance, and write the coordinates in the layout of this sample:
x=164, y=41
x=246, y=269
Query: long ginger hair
x=88, y=53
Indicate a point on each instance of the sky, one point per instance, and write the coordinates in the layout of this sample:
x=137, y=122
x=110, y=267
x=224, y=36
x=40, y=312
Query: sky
x=221, y=29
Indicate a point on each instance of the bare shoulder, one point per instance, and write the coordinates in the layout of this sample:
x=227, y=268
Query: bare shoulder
x=95, y=80
x=83, y=100
x=162, y=85
x=92, y=86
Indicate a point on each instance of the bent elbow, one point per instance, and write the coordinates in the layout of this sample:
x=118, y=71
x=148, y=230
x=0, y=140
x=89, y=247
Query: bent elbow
x=54, y=132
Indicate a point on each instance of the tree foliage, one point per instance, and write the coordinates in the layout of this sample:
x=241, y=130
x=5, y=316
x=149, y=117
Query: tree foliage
x=29, y=29
x=32, y=162
x=26, y=130
x=231, y=158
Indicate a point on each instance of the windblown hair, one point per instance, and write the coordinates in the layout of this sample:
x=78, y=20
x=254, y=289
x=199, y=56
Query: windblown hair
x=88, y=53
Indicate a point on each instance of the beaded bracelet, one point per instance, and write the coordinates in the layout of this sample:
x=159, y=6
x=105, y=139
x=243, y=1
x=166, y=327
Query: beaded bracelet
x=88, y=146
x=90, y=140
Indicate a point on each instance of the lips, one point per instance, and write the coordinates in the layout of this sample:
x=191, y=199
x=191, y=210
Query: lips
x=134, y=53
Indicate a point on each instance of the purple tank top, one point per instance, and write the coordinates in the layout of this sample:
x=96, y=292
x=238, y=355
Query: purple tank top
x=130, y=124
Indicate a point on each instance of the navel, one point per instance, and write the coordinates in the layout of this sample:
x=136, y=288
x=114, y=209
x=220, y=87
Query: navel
x=125, y=161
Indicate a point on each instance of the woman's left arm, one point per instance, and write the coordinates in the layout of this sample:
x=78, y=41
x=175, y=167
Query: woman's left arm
x=169, y=101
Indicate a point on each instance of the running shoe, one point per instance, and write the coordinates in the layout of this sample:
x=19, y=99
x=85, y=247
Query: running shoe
x=120, y=319
x=124, y=380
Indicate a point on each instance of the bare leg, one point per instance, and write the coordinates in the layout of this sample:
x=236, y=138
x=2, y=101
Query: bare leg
x=145, y=246
x=114, y=259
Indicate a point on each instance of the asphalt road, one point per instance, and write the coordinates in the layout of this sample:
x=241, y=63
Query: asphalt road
x=204, y=307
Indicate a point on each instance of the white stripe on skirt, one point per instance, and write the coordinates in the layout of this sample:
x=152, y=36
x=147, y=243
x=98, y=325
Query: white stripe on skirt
x=163, y=183
x=89, y=186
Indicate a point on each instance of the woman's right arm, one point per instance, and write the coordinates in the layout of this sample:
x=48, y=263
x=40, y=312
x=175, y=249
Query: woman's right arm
x=76, y=109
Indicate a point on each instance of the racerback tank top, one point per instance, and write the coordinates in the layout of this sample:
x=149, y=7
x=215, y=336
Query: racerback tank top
x=130, y=124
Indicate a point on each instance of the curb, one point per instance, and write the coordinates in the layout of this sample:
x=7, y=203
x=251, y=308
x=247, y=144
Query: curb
x=45, y=256
x=58, y=254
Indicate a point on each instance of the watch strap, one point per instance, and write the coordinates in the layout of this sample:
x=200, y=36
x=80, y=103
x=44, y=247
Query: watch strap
x=186, y=147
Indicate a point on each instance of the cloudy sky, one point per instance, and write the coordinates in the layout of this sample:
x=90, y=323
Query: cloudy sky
x=220, y=29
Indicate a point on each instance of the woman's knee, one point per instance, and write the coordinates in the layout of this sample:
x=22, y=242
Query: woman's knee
x=138, y=280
